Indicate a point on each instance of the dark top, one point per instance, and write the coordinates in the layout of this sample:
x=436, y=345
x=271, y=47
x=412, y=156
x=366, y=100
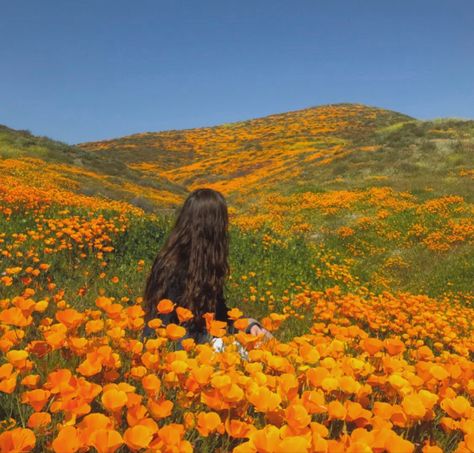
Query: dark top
x=174, y=292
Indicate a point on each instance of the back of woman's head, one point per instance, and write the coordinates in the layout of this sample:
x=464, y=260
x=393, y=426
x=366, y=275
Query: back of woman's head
x=197, y=249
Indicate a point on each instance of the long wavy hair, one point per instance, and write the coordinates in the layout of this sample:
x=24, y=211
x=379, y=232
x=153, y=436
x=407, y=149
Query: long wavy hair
x=196, y=250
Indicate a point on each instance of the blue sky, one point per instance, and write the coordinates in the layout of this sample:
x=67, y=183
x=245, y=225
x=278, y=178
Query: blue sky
x=81, y=70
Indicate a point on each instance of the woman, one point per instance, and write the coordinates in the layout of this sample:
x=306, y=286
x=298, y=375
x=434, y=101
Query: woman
x=192, y=267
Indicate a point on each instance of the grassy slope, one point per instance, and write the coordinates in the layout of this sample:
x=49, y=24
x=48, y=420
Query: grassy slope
x=424, y=157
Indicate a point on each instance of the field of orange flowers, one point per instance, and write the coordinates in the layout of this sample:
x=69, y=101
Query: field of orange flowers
x=349, y=369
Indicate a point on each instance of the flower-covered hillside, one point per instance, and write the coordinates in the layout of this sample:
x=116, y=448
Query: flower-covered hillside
x=350, y=369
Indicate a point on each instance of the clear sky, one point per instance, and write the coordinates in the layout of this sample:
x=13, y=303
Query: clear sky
x=81, y=70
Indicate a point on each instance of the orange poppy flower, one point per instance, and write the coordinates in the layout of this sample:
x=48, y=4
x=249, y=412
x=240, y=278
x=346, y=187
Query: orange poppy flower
x=336, y=410
x=216, y=328
x=36, y=398
x=15, y=317
x=67, y=440
x=413, y=406
x=394, y=346
x=70, y=318
x=208, y=422
x=56, y=335
x=175, y=332
x=18, y=358
x=31, y=381
x=361, y=441
x=313, y=401
x=94, y=326
x=330, y=384
x=309, y=353
x=264, y=399
x=247, y=340
x=138, y=437
x=202, y=374
x=234, y=314
x=94, y=421
x=372, y=345
x=238, y=429
x=188, y=344
x=448, y=424
x=6, y=370
x=92, y=365
x=267, y=439
x=439, y=372
x=160, y=409
x=165, y=306
x=38, y=420
x=106, y=440
x=171, y=434
x=17, y=440
x=457, y=407
x=348, y=384
x=7, y=281
x=383, y=410
x=151, y=384
x=288, y=386
x=8, y=383
x=241, y=323
x=214, y=400
x=41, y=306
x=179, y=366
x=429, y=399
x=155, y=323
x=316, y=375
x=297, y=416
x=184, y=314
x=113, y=399
x=59, y=381
x=469, y=441
x=136, y=413
x=399, y=417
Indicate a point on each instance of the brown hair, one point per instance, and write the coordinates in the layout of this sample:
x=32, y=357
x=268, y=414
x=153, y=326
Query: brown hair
x=197, y=247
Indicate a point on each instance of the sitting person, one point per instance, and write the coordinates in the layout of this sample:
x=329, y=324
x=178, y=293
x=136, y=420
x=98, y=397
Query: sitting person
x=192, y=267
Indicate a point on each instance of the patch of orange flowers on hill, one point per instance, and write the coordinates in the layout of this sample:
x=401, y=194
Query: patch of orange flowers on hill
x=440, y=223
x=240, y=156
x=35, y=183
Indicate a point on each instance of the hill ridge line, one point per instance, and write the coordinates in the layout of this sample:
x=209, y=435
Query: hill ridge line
x=249, y=120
